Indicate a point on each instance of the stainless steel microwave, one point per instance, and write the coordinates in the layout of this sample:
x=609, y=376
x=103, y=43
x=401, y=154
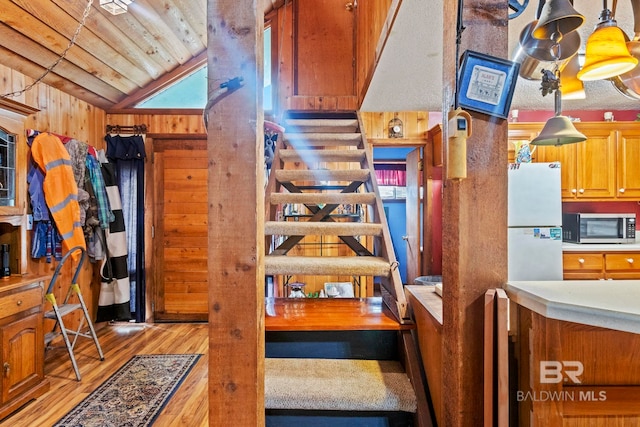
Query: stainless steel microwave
x=598, y=228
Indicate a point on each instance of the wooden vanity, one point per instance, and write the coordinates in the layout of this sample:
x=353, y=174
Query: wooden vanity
x=21, y=341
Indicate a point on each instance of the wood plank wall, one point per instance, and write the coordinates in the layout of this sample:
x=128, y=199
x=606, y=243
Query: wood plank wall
x=415, y=124
x=372, y=19
x=62, y=114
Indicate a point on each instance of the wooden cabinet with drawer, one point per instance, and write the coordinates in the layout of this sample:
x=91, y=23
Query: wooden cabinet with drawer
x=622, y=265
x=579, y=266
x=21, y=342
x=601, y=265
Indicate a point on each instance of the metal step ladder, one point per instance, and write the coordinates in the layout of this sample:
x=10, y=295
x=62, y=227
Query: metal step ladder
x=58, y=312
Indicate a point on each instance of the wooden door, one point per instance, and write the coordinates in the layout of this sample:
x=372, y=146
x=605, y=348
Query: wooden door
x=180, y=237
x=413, y=230
x=628, y=163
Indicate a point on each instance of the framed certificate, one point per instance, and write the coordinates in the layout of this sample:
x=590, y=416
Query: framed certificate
x=486, y=83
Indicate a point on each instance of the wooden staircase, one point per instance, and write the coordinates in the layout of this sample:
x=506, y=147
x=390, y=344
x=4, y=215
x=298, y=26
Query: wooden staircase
x=324, y=164
x=335, y=361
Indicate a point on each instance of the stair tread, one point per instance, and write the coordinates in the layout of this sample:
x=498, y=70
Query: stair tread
x=338, y=385
x=321, y=125
x=302, y=140
x=64, y=309
x=323, y=198
x=327, y=265
x=314, y=156
x=304, y=228
x=288, y=175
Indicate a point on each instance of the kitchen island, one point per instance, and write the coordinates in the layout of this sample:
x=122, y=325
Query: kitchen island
x=577, y=352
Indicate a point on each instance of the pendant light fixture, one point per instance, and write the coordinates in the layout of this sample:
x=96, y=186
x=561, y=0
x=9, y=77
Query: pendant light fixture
x=115, y=7
x=606, y=53
x=558, y=130
x=558, y=17
x=572, y=86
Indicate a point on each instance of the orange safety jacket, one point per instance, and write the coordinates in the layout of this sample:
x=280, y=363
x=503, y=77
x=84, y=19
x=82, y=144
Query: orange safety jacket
x=60, y=189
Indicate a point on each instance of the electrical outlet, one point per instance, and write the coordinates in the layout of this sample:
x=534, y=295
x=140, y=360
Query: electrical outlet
x=29, y=222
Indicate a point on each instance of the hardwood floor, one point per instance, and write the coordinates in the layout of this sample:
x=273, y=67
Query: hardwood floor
x=187, y=407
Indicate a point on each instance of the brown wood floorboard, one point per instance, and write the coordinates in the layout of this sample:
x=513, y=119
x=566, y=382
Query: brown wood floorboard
x=187, y=407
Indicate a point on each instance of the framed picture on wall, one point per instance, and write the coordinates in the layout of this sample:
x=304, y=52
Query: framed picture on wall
x=486, y=83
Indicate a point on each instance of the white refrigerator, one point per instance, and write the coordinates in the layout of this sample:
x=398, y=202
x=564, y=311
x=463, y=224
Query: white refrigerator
x=534, y=221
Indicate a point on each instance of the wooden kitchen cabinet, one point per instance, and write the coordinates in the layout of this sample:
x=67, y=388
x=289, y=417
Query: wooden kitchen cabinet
x=589, y=167
x=621, y=265
x=519, y=134
x=21, y=342
x=580, y=266
x=601, y=265
x=628, y=161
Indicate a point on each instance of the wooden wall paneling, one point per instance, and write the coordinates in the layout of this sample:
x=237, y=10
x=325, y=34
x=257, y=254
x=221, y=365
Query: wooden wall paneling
x=180, y=122
x=373, y=25
x=63, y=114
x=415, y=124
x=324, y=56
x=284, y=62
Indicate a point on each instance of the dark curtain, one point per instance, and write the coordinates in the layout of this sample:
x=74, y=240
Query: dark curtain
x=127, y=155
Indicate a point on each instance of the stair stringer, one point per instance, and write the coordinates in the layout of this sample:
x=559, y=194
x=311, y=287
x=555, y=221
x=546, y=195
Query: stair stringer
x=392, y=288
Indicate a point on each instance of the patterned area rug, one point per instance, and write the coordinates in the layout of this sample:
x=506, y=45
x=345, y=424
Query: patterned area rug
x=135, y=394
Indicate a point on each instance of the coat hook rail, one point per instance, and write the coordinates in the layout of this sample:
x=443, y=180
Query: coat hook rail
x=135, y=129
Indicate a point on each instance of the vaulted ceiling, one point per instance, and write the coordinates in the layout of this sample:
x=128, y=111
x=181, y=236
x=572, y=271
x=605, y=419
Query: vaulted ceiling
x=119, y=60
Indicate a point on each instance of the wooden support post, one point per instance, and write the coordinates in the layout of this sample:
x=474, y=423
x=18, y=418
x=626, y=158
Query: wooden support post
x=236, y=215
x=474, y=218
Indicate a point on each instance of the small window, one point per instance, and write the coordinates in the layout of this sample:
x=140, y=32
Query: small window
x=191, y=91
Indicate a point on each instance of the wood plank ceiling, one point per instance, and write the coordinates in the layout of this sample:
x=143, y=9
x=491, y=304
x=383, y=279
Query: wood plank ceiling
x=116, y=60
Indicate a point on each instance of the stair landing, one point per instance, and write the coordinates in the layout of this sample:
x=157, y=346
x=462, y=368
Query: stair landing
x=335, y=314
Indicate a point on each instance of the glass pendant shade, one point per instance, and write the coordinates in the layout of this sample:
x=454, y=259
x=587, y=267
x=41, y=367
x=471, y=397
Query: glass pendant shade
x=558, y=17
x=571, y=86
x=558, y=131
x=115, y=7
x=606, y=54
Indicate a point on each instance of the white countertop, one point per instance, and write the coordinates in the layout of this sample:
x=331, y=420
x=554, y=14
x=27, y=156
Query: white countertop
x=612, y=304
x=600, y=247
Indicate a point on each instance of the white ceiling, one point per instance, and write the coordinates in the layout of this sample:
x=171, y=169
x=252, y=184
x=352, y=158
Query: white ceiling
x=409, y=74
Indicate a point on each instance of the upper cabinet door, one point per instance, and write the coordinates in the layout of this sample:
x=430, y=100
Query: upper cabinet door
x=596, y=176
x=588, y=168
x=566, y=155
x=628, y=152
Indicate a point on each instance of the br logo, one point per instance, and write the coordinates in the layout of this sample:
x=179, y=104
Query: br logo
x=553, y=371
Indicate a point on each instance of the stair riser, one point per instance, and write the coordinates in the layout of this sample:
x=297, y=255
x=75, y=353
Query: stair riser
x=296, y=418
x=379, y=345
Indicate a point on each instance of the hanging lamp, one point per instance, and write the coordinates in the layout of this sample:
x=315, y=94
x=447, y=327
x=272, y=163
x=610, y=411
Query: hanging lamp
x=572, y=86
x=557, y=17
x=558, y=130
x=606, y=53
